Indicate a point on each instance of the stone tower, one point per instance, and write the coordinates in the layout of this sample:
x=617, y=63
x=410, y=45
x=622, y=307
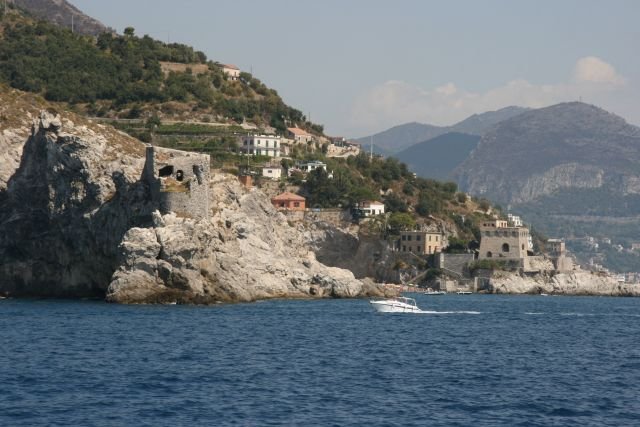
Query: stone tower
x=179, y=181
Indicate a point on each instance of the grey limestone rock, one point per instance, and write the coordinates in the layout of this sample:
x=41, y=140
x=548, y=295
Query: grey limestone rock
x=79, y=218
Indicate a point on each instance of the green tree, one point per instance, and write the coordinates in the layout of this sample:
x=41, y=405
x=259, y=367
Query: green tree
x=399, y=221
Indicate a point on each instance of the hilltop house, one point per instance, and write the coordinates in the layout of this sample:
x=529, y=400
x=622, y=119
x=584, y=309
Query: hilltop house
x=421, y=242
x=299, y=135
x=289, y=202
x=265, y=145
x=231, y=71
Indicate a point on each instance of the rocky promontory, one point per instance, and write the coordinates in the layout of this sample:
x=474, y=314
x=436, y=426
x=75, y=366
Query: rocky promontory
x=80, y=217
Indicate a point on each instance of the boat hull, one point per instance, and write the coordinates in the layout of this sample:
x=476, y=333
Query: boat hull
x=393, y=307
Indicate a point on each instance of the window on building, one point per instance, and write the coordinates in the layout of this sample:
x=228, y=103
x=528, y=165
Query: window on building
x=505, y=247
x=296, y=204
x=489, y=254
x=429, y=238
x=404, y=248
x=523, y=246
x=409, y=238
x=436, y=238
x=179, y=175
x=404, y=237
x=418, y=249
x=418, y=239
x=267, y=143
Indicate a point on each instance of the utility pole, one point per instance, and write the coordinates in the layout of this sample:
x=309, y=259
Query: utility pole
x=73, y=23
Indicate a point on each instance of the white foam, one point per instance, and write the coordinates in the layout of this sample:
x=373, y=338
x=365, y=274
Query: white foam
x=449, y=312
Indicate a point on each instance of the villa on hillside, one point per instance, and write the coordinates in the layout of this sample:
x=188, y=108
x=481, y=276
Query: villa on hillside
x=261, y=145
x=299, y=135
x=289, y=202
x=311, y=166
x=232, y=72
x=421, y=242
x=368, y=208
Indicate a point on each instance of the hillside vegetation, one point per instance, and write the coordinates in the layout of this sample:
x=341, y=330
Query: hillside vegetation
x=120, y=76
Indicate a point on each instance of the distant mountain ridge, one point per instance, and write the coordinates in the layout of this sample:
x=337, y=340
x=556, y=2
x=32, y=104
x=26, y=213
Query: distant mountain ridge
x=64, y=14
x=439, y=156
x=563, y=146
x=401, y=137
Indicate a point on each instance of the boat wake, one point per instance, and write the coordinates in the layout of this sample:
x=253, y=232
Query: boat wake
x=449, y=312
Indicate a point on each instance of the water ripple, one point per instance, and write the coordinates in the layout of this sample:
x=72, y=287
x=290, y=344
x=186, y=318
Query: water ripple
x=477, y=361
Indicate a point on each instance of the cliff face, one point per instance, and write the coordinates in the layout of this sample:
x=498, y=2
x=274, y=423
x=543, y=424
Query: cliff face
x=78, y=219
x=565, y=146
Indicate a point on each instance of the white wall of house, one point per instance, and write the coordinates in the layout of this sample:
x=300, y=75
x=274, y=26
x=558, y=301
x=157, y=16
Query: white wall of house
x=272, y=172
x=232, y=73
x=261, y=145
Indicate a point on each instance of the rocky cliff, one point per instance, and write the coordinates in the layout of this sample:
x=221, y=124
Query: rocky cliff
x=77, y=219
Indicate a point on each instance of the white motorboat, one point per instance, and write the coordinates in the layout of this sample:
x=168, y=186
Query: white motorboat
x=396, y=305
x=464, y=292
x=430, y=291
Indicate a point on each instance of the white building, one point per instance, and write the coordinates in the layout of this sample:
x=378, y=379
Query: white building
x=261, y=145
x=370, y=207
x=232, y=72
x=514, y=220
x=311, y=166
x=273, y=172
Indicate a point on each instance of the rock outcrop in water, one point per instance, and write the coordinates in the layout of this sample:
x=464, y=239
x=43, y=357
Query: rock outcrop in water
x=79, y=219
x=575, y=283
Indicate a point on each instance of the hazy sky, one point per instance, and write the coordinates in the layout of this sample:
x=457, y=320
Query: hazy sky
x=359, y=66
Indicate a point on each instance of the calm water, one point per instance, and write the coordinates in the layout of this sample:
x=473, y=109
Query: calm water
x=522, y=361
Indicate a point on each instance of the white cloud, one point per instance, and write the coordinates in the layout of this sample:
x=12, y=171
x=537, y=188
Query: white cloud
x=395, y=102
x=593, y=69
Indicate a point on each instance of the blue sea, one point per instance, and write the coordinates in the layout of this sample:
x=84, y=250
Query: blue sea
x=481, y=360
